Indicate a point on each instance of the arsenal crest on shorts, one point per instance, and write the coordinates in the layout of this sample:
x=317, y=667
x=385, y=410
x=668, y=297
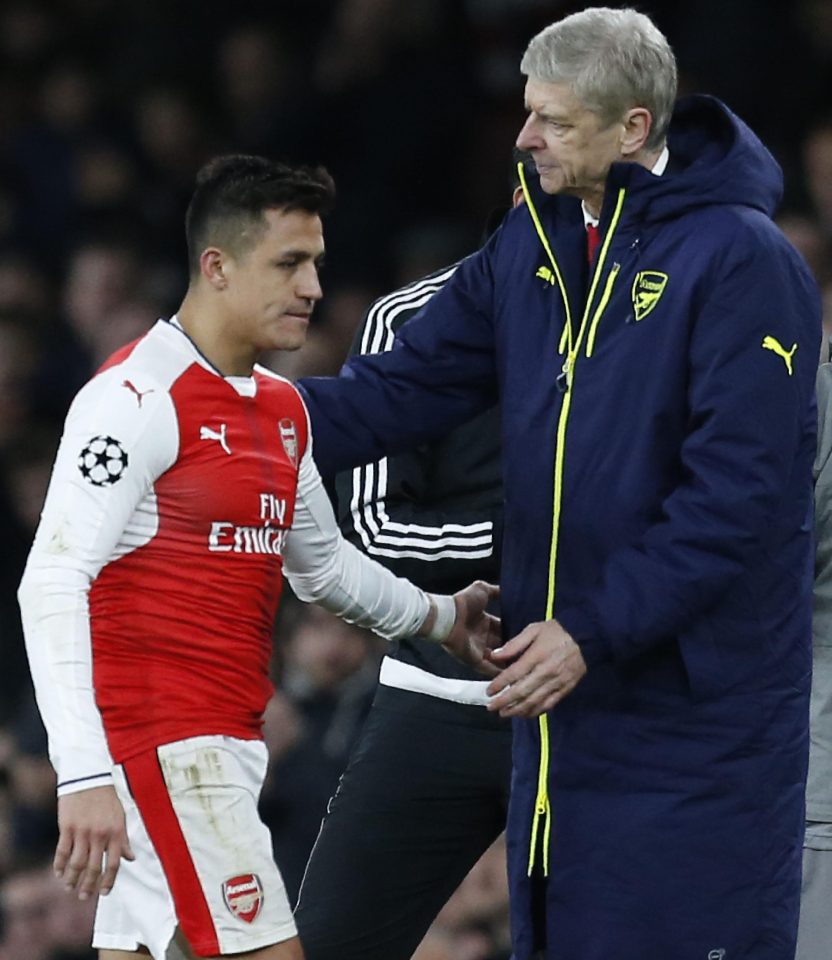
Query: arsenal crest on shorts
x=289, y=438
x=243, y=896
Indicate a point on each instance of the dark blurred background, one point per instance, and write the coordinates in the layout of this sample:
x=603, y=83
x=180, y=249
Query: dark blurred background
x=107, y=109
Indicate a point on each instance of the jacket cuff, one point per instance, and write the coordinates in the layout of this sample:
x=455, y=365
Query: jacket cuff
x=584, y=630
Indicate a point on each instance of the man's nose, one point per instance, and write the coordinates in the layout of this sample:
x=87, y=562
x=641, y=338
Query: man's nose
x=309, y=284
x=529, y=137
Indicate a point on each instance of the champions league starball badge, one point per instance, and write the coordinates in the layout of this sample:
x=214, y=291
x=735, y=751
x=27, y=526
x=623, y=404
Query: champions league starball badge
x=103, y=461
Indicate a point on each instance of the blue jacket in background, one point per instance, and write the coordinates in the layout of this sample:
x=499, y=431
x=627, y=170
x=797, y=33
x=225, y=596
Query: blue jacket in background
x=658, y=429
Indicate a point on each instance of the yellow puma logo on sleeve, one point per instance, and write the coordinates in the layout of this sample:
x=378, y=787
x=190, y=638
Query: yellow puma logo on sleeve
x=773, y=344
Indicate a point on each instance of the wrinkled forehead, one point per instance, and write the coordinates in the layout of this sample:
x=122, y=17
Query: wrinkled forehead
x=553, y=101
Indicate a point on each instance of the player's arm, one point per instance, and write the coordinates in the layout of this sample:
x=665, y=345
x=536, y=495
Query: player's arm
x=322, y=567
x=441, y=373
x=110, y=454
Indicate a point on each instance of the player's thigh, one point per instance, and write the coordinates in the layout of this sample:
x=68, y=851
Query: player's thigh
x=122, y=954
x=285, y=950
x=415, y=809
x=198, y=803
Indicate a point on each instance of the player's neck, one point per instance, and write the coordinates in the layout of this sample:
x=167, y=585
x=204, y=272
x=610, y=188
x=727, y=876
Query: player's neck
x=231, y=356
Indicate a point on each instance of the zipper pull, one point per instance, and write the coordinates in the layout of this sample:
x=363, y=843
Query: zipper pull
x=564, y=379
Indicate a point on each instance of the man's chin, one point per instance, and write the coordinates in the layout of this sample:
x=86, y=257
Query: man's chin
x=552, y=182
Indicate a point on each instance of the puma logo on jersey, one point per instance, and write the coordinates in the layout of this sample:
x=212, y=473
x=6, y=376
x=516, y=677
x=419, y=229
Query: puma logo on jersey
x=207, y=433
x=139, y=393
x=773, y=344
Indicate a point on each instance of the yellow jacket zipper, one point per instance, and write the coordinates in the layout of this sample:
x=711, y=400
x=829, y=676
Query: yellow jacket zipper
x=542, y=806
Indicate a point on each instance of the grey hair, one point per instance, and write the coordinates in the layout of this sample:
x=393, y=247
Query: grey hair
x=613, y=60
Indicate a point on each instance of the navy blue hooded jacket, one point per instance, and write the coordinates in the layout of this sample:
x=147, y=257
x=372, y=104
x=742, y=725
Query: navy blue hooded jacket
x=658, y=429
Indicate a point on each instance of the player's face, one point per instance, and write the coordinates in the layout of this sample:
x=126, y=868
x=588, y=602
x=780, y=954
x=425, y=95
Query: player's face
x=571, y=149
x=274, y=285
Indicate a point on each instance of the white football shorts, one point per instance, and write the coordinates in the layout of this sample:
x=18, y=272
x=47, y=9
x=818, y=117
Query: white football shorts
x=203, y=857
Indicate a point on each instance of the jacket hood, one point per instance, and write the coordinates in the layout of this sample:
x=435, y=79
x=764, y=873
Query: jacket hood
x=715, y=158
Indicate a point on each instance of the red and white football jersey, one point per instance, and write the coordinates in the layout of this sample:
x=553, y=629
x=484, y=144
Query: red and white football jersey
x=152, y=585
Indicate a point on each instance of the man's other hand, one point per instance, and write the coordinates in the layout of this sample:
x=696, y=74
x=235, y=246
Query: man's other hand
x=545, y=665
x=92, y=840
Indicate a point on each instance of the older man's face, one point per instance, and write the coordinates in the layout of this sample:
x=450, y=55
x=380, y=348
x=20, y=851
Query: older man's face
x=570, y=147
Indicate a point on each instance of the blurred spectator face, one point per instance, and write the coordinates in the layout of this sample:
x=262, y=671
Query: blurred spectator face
x=101, y=279
x=125, y=324
x=26, y=900
x=104, y=176
x=282, y=725
x=169, y=131
x=251, y=69
x=67, y=99
x=41, y=918
x=27, y=480
x=817, y=19
x=69, y=923
x=26, y=31
x=33, y=781
x=817, y=155
x=17, y=361
x=23, y=287
x=809, y=239
x=325, y=649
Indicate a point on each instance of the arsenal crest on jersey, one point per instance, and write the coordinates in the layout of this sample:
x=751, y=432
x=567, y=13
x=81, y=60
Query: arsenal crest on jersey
x=243, y=896
x=289, y=438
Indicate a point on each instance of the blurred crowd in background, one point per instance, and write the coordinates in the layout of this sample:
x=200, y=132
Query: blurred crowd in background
x=107, y=110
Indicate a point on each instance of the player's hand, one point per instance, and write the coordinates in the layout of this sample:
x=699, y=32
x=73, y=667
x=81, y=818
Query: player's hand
x=547, y=666
x=92, y=840
x=474, y=631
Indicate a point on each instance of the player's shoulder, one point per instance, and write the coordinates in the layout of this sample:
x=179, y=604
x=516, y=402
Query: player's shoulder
x=293, y=422
x=279, y=391
x=136, y=380
x=274, y=383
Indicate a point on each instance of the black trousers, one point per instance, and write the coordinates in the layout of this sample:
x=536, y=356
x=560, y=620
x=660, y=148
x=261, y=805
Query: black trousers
x=424, y=795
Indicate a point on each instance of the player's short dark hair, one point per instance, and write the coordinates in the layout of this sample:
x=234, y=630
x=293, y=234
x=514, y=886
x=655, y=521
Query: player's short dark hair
x=233, y=192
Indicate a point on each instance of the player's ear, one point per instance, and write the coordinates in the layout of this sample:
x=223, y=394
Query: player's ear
x=212, y=267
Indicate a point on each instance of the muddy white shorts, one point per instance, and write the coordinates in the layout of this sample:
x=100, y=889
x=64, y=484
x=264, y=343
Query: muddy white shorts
x=203, y=856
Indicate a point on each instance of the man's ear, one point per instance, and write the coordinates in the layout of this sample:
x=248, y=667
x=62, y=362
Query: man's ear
x=638, y=122
x=213, y=264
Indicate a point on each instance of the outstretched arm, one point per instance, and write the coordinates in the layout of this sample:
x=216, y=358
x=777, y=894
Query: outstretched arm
x=323, y=568
x=440, y=373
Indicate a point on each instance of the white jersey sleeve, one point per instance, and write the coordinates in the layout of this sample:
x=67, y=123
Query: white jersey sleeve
x=323, y=568
x=119, y=437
